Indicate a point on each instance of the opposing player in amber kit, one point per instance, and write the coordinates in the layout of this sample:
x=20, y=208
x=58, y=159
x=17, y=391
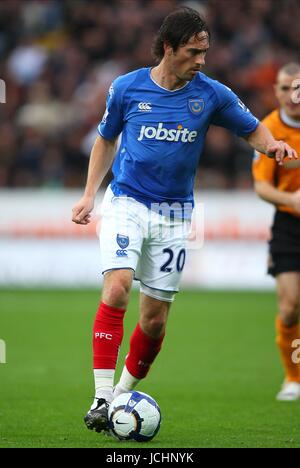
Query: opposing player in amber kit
x=280, y=185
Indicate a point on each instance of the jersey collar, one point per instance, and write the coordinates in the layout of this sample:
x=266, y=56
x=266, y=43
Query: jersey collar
x=288, y=120
x=165, y=89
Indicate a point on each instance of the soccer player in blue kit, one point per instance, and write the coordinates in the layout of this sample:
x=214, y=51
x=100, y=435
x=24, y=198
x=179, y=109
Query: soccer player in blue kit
x=163, y=114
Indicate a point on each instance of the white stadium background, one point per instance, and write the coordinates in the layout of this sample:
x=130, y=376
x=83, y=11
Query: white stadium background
x=41, y=247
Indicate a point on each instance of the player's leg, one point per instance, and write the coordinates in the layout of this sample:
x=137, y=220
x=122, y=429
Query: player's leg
x=108, y=329
x=159, y=270
x=146, y=340
x=120, y=245
x=107, y=339
x=287, y=326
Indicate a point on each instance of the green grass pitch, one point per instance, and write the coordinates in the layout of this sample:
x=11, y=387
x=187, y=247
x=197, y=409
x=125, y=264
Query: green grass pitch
x=215, y=379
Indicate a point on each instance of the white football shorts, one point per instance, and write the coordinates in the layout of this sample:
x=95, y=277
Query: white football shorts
x=154, y=246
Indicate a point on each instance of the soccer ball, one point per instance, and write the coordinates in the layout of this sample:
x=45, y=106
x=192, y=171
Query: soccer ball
x=135, y=416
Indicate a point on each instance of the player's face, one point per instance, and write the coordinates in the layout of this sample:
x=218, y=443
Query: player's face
x=287, y=90
x=190, y=58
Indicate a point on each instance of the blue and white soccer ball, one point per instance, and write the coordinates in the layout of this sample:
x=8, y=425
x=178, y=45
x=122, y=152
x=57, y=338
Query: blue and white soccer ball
x=135, y=416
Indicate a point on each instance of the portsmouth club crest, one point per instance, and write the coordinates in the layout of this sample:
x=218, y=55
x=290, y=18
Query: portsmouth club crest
x=196, y=106
x=123, y=241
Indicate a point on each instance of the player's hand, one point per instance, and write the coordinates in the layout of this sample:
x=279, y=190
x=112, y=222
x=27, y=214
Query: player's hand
x=279, y=150
x=295, y=200
x=81, y=211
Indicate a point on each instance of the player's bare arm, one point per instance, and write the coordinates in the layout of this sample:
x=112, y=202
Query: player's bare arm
x=263, y=141
x=102, y=155
x=271, y=194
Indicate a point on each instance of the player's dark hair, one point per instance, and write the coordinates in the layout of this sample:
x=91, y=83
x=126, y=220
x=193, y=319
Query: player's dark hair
x=177, y=29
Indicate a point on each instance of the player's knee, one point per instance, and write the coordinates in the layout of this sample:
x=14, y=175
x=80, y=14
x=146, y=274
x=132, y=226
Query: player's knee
x=116, y=294
x=155, y=326
x=289, y=311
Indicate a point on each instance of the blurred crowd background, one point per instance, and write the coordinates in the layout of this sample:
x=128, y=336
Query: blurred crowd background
x=58, y=58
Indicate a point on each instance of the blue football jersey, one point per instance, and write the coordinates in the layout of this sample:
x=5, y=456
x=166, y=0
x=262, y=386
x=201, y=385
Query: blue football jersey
x=163, y=134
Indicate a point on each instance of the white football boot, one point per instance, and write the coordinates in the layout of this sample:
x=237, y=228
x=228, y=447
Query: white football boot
x=290, y=391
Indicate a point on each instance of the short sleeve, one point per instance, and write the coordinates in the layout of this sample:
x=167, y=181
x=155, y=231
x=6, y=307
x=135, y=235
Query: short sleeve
x=263, y=168
x=231, y=112
x=112, y=121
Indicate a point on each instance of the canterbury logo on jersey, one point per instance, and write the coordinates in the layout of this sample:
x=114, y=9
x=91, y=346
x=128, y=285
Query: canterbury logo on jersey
x=145, y=106
x=173, y=134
